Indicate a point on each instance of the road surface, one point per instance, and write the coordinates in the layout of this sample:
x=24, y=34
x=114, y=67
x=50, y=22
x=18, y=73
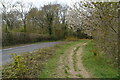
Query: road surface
x=27, y=48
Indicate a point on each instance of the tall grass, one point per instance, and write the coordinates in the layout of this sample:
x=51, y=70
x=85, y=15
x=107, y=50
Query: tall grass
x=99, y=66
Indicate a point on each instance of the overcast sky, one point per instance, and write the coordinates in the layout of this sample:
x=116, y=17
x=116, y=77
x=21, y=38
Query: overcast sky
x=39, y=3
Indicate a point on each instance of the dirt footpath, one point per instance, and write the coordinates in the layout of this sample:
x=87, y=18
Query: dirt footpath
x=70, y=64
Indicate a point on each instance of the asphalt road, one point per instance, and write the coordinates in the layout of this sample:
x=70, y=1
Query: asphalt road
x=27, y=48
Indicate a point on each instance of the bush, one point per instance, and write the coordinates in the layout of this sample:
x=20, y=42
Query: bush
x=28, y=65
x=71, y=38
x=12, y=38
x=17, y=69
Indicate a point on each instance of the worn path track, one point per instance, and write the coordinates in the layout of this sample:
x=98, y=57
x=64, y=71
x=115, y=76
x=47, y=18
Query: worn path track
x=70, y=64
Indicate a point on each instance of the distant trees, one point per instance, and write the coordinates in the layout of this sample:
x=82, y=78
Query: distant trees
x=35, y=21
x=23, y=9
x=49, y=20
x=7, y=17
x=14, y=13
x=55, y=18
x=28, y=16
x=49, y=13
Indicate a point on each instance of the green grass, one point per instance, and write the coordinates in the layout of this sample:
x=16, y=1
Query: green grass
x=66, y=68
x=74, y=58
x=98, y=65
x=79, y=75
x=52, y=62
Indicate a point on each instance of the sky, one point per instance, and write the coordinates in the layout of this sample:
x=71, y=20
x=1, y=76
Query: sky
x=39, y=3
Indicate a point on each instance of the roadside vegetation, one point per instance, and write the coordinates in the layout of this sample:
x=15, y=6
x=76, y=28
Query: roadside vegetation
x=28, y=65
x=95, y=63
x=50, y=69
x=43, y=62
x=98, y=64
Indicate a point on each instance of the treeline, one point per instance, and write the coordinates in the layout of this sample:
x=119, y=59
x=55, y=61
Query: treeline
x=100, y=20
x=14, y=38
x=24, y=19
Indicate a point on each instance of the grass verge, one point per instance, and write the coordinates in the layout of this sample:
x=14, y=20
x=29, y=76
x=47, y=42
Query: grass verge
x=27, y=65
x=49, y=71
x=39, y=63
x=98, y=65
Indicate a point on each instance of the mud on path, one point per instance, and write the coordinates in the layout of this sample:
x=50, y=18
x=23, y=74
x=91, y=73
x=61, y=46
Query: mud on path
x=70, y=64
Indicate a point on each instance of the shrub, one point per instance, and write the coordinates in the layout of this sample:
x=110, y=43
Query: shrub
x=71, y=38
x=17, y=69
x=28, y=65
x=12, y=38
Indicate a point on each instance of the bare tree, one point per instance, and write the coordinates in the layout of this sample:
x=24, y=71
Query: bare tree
x=23, y=9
